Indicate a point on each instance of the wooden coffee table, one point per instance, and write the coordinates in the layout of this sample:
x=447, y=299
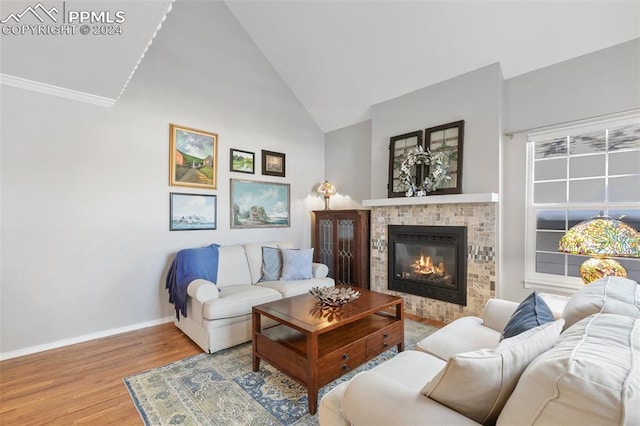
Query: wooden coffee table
x=315, y=345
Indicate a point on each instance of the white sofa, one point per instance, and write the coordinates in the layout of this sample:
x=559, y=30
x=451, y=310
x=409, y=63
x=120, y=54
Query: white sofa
x=472, y=333
x=588, y=375
x=219, y=315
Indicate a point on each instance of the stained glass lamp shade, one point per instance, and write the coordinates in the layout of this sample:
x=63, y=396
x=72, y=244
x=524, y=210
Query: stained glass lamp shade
x=601, y=237
x=327, y=190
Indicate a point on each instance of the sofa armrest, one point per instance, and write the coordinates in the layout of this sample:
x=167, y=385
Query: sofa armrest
x=203, y=290
x=319, y=270
x=497, y=313
x=374, y=399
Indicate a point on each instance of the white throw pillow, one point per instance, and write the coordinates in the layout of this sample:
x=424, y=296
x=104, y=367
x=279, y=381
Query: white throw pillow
x=607, y=295
x=590, y=377
x=296, y=264
x=477, y=384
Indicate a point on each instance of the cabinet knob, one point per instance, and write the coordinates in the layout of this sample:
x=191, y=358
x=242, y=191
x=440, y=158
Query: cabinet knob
x=345, y=356
x=345, y=367
x=385, y=335
x=385, y=344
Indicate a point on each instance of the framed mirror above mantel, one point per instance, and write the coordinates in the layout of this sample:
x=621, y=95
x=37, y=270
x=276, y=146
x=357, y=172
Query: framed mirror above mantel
x=398, y=146
x=448, y=139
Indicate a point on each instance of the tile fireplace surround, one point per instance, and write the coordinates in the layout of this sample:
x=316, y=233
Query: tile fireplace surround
x=477, y=212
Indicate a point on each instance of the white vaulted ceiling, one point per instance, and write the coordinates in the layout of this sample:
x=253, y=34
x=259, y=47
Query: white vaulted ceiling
x=95, y=65
x=340, y=57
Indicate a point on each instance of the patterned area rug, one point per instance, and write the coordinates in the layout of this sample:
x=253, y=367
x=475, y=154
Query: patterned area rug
x=221, y=389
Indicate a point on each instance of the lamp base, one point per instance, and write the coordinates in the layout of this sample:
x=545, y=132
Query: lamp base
x=326, y=203
x=593, y=269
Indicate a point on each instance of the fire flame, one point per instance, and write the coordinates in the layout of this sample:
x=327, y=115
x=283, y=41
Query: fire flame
x=424, y=266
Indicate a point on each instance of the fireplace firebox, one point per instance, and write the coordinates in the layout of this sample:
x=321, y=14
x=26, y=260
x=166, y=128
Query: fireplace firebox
x=429, y=261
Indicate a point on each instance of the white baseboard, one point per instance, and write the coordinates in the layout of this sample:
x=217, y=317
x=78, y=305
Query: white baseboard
x=81, y=339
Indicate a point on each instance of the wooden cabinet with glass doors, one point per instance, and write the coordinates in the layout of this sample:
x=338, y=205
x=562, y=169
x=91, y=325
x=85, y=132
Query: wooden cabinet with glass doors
x=341, y=241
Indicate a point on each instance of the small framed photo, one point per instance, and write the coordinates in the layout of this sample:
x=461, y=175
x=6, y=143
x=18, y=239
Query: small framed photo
x=273, y=163
x=242, y=161
x=193, y=157
x=190, y=212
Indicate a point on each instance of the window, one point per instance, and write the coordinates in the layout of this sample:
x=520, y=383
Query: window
x=573, y=174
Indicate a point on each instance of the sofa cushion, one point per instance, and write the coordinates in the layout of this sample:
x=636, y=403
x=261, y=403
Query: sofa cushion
x=531, y=313
x=271, y=264
x=608, y=294
x=237, y=300
x=389, y=395
x=296, y=264
x=296, y=287
x=591, y=376
x=462, y=335
x=402, y=368
x=477, y=384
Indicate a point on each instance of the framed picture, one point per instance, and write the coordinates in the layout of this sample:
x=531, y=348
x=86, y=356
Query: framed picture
x=193, y=157
x=190, y=212
x=273, y=163
x=398, y=146
x=448, y=139
x=242, y=161
x=259, y=204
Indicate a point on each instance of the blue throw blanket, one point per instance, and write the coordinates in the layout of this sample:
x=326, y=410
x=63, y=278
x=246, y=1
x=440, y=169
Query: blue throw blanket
x=190, y=264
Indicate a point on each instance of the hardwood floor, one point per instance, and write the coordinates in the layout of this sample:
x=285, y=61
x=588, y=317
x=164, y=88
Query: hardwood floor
x=82, y=384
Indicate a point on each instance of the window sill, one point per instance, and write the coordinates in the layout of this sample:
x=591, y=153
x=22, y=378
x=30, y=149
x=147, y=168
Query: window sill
x=565, y=288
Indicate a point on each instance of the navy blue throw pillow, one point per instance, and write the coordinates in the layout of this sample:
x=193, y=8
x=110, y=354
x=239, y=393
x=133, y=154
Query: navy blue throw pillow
x=532, y=312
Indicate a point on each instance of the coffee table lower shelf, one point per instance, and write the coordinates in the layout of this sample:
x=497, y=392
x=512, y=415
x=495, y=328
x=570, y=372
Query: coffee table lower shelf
x=314, y=359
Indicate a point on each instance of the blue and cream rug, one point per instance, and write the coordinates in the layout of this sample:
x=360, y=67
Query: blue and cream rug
x=221, y=389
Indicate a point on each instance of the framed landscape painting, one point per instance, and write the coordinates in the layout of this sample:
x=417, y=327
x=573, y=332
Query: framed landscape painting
x=190, y=212
x=259, y=204
x=242, y=161
x=193, y=157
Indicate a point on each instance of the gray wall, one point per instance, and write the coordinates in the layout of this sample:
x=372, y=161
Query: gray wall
x=474, y=97
x=600, y=83
x=347, y=165
x=84, y=189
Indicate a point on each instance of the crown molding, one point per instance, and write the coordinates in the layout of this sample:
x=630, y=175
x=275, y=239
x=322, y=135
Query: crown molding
x=61, y=92
x=144, y=52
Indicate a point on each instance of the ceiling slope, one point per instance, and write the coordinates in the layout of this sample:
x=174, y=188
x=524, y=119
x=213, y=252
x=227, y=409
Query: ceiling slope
x=342, y=57
x=338, y=57
x=97, y=63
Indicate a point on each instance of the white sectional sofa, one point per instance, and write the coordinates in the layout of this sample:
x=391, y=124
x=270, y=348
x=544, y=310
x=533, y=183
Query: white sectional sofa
x=219, y=314
x=583, y=368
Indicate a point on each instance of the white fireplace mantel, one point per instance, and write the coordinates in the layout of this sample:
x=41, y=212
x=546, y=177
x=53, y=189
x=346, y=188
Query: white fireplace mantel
x=489, y=197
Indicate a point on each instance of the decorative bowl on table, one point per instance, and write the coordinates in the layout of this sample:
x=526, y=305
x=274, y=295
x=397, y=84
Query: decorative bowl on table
x=334, y=296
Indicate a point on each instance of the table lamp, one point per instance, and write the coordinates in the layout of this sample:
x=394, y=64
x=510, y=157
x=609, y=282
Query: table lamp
x=601, y=237
x=327, y=190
